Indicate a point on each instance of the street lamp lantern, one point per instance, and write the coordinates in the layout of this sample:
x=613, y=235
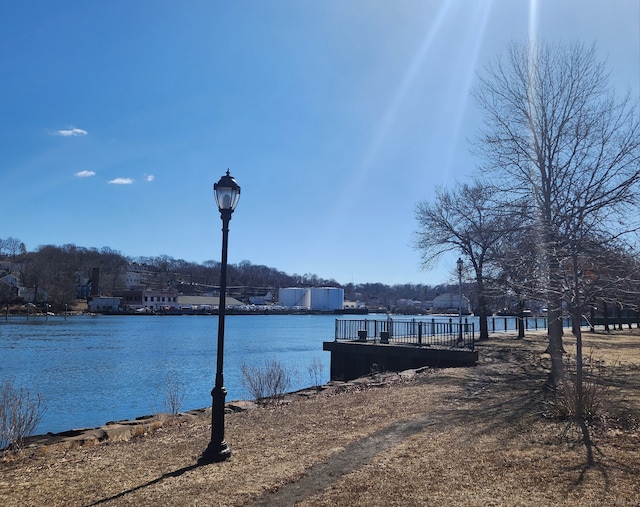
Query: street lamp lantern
x=459, y=264
x=227, y=193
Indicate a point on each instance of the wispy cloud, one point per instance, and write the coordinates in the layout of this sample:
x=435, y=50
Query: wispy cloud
x=85, y=174
x=149, y=177
x=121, y=181
x=72, y=132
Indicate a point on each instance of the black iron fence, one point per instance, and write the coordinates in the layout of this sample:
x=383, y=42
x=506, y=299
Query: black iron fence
x=448, y=333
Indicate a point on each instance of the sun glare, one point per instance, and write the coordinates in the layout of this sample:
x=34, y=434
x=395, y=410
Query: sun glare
x=391, y=111
x=533, y=21
x=465, y=55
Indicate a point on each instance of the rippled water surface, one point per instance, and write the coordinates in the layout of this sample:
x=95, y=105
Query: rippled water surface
x=94, y=369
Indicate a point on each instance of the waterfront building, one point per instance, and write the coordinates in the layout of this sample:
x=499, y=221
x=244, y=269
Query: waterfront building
x=450, y=303
x=103, y=303
x=149, y=299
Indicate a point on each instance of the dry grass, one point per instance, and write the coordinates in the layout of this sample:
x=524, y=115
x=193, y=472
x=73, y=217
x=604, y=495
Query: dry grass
x=475, y=436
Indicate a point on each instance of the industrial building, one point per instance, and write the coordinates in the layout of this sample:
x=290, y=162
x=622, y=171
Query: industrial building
x=322, y=299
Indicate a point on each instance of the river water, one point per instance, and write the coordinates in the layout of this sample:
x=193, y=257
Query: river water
x=94, y=369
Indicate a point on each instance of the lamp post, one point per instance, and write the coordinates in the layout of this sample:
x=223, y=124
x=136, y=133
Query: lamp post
x=459, y=263
x=227, y=193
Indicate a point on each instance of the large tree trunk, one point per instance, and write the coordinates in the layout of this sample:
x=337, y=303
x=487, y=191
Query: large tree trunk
x=484, y=324
x=554, y=301
x=520, y=319
x=555, y=348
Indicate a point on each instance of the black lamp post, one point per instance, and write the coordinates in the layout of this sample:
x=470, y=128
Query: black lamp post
x=459, y=263
x=227, y=194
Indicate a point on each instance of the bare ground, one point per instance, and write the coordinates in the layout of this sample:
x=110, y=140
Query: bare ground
x=481, y=436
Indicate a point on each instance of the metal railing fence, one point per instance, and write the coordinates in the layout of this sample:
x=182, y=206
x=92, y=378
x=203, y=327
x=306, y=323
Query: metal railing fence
x=450, y=333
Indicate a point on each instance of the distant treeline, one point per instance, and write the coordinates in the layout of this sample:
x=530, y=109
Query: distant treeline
x=62, y=270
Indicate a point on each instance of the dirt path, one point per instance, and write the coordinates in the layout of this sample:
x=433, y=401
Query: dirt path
x=354, y=456
x=503, y=367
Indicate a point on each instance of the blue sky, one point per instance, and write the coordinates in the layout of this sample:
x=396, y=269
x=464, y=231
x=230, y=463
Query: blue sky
x=336, y=117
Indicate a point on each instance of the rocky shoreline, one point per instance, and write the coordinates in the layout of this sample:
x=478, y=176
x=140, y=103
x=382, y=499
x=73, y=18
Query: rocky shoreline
x=119, y=431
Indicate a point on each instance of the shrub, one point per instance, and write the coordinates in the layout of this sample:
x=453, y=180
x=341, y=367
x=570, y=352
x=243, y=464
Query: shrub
x=266, y=382
x=315, y=370
x=566, y=402
x=20, y=414
x=175, y=392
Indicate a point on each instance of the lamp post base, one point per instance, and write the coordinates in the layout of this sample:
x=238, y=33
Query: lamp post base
x=215, y=453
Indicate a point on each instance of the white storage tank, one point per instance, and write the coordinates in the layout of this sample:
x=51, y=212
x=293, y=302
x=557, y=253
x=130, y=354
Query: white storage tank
x=327, y=298
x=295, y=297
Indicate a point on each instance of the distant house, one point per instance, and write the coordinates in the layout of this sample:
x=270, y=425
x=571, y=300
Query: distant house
x=133, y=279
x=150, y=299
x=83, y=288
x=9, y=287
x=28, y=295
x=103, y=303
x=409, y=305
x=10, y=280
x=450, y=303
x=205, y=302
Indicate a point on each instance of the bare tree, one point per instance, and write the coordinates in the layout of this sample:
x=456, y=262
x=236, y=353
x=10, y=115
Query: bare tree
x=518, y=268
x=556, y=135
x=13, y=247
x=466, y=220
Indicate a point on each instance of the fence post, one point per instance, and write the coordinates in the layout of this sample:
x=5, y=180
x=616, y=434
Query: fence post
x=466, y=328
x=420, y=333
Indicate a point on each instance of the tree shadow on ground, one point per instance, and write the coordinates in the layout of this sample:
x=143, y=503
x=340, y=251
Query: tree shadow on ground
x=168, y=475
x=522, y=398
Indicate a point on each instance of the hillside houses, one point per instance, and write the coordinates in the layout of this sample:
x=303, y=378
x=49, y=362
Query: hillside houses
x=136, y=289
x=11, y=290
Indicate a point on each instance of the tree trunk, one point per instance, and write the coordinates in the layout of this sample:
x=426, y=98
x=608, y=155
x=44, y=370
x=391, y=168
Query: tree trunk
x=520, y=319
x=555, y=348
x=619, y=312
x=482, y=310
x=484, y=326
x=605, y=312
x=579, y=392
